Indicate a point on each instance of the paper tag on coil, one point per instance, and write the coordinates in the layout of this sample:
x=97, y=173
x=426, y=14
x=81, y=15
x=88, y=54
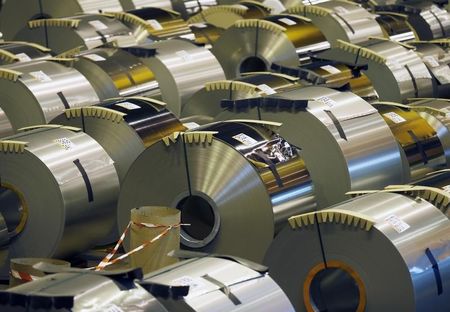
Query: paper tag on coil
x=396, y=118
x=191, y=125
x=23, y=57
x=184, y=55
x=40, y=76
x=446, y=188
x=442, y=74
x=330, y=69
x=199, y=25
x=112, y=308
x=196, y=285
x=340, y=10
x=287, y=21
x=155, y=24
x=399, y=225
x=266, y=89
x=128, y=105
x=98, y=25
x=326, y=100
x=431, y=60
x=65, y=143
x=245, y=139
x=94, y=57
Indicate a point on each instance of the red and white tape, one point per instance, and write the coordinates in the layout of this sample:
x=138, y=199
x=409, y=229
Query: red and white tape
x=23, y=276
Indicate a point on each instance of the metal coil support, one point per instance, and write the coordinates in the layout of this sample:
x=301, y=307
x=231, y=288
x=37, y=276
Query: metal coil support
x=340, y=135
x=19, y=51
x=36, y=92
x=218, y=172
x=59, y=191
x=77, y=32
x=124, y=127
x=384, y=251
x=15, y=14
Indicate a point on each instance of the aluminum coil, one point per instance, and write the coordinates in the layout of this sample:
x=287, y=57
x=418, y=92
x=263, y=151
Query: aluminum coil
x=36, y=92
x=81, y=291
x=17, y=51
x=69, y=204
x=254, y=45
x=15, y=14
x=381, y=252
x=205, y=103
x=223, y=177
x=124, y=127
x=77, y=32
x=181, y=69
x=114, y=72
x=247, y=286
x=352, y=143
x=395, y=70
x=341, y=20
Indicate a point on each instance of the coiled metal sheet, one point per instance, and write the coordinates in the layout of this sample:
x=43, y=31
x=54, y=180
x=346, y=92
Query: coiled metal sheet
x=36, y=92
x=15, y=14
x=82, y=31
x=181, y=68
x=222, y=184
x=254, y=45
x=206, y=102
x=246, y=288
x=352, y=142
x=64, y=187
x=380, y=252
x=16, y=51
x=124, y=127
x=114, y=72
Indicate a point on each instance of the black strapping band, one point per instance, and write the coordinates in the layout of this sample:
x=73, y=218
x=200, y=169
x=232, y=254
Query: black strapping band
x=223, y=288
x=272, y=168
x=102, y=37
x=337, y=124
x=63, y=100
x=87, y=182
x=437, y=273
x=419, y=146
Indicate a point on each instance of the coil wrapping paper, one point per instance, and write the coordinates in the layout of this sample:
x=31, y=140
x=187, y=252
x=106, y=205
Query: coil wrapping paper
x=206, y=102
x=352, y=143
x=212, y=177
x=380, y=252
x=124, y=127
x=15, y=14
x=65, y=186
x=36, y=92
x=77, y=32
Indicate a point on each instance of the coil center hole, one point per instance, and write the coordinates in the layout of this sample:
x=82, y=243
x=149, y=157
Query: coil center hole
x=12, y=210
x=197, y=212
x=252, y=64
x=334, y=290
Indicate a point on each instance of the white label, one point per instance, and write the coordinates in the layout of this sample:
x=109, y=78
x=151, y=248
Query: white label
x=443, y=74
x=330, y=69
x=128, y=105
x=340, y=10
x=199, y=25
x=398, y=224
x=446, y=188
x=195, y=284
x=396, y=118
x=287, y=21
x=326, y=100
x=94, y=57
x=98, y=25
x=112, y=308
x=266, y=89
x=431, y=60
x=184, y=55
x=65, y=143
x=23, y=57
x=245, y=139
x=191, y=125
x=41, y=76
x=155, y=24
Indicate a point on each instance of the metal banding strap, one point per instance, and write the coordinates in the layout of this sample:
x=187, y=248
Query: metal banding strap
x=416, y=91
x=272, y=168
x=63, y=100
x=337, y=124
x=102, y=37
x=444, y=34
x=419, y=146
x=223, y=288
x=345, y=22
x=437, y=273
x=87, y=182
